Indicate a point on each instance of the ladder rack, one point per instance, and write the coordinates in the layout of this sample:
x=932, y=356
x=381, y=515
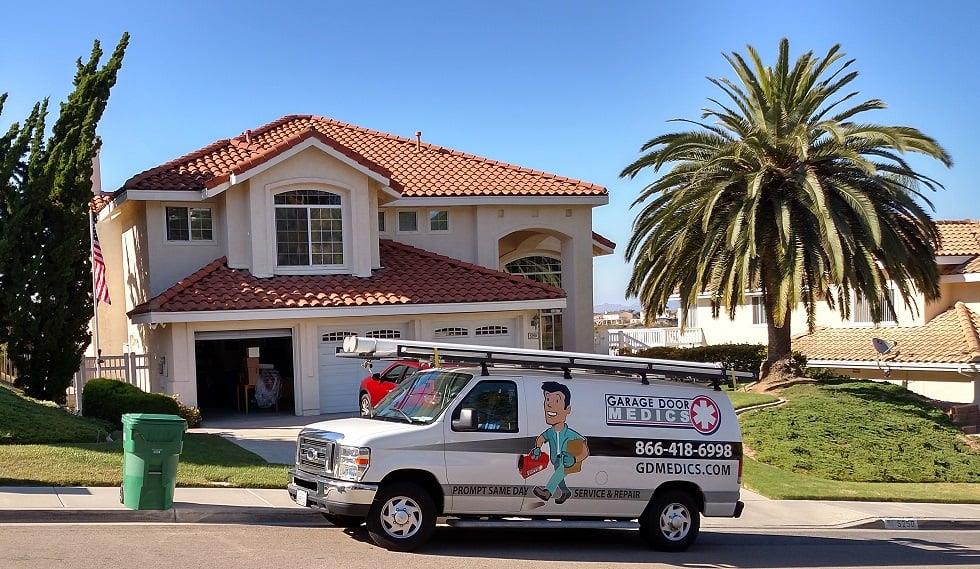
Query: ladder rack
x=488, y=356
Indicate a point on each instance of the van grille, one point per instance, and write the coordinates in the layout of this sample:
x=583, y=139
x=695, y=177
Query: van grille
x=314, y=455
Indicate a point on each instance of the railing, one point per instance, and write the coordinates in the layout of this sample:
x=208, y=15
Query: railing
x=8, y=373
x=613, y=340
x=132, y=368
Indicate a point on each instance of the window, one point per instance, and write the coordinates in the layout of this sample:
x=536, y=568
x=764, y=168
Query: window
x=439, y=220
x=189, y=224
x=384, y=334
x=450, y=332
x=758, y=310
x=551, y=329
x=394, y=373
x=862, y=309
x=381, y=221
x=309, y=228
x=408, y=221
x=494, y=405
x=337, y=336
x=537, y=268
x=492, y=331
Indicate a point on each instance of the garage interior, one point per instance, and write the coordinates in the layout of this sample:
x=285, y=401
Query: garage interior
x=244, y=375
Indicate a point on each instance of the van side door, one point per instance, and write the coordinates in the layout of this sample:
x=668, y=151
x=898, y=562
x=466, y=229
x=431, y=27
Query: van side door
x=482, y=456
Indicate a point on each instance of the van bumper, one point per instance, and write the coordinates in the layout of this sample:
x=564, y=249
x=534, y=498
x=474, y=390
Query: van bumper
x=722, y=505
x=332, y=496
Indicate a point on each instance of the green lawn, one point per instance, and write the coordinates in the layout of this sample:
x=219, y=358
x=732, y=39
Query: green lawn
x=207, y=460
x=742, y=399
x=860, y=431
x=781, y=484
x=26, y=420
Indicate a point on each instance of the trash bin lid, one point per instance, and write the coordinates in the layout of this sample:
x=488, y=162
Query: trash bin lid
x=151, y=418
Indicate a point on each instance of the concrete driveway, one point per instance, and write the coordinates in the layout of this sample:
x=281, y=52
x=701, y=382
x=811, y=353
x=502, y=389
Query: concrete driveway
x=273, y=437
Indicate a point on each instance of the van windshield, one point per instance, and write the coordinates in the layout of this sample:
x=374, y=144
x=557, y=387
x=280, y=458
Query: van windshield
x=422, y=397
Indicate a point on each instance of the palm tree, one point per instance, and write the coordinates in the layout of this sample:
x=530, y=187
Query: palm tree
x=787, y=193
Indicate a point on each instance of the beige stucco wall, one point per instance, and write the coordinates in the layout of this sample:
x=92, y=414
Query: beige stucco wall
x=941, y=385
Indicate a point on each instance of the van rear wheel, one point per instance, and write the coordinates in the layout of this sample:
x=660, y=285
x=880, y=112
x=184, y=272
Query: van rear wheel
x=671, y=522
x=402, y=517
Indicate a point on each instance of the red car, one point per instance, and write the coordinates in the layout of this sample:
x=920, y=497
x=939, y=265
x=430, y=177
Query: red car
x=375, y=386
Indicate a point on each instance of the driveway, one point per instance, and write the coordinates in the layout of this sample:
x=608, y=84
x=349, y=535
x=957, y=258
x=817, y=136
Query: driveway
x=273, y=437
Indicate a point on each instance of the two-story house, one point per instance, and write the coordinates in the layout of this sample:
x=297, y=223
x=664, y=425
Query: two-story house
x=932, y=348
x=278, y=243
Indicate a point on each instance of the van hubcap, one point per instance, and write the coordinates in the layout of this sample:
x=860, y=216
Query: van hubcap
x=675, y=522
x=401, y=517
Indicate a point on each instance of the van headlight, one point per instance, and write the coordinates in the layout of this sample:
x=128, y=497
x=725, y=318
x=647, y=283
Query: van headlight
x=352, y=462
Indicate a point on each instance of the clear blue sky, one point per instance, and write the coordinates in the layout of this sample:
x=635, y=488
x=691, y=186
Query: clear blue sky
x=569, y=87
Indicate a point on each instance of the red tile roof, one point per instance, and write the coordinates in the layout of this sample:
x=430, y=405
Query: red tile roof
x=959, y=237
x=409, y=276
x=950, y=337
x=424, y=170
x=603, y=240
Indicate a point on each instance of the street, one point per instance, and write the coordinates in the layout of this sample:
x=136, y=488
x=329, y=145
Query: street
x=149, y=546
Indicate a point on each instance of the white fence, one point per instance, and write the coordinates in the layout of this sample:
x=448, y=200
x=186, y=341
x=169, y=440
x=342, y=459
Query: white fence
x=131, y=368
x=612, y=340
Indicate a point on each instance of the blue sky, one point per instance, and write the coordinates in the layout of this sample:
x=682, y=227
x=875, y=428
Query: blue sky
x=569, y=87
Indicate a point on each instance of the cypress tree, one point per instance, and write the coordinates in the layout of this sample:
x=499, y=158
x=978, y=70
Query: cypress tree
x=45, y=268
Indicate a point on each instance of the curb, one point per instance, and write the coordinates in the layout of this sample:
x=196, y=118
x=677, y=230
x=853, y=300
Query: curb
x=182, y=515
x=917, y=524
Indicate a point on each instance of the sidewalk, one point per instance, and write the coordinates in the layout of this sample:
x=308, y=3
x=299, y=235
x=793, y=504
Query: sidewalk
x=242, y=505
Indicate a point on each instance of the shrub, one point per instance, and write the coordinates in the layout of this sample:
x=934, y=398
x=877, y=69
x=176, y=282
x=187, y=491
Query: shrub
x=740, y=357
x=109, y=399
x=190, y=414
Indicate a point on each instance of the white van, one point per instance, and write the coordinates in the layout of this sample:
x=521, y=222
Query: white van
x=504, y=437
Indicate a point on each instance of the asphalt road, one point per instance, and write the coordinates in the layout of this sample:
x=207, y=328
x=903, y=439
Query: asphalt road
x=170, y=546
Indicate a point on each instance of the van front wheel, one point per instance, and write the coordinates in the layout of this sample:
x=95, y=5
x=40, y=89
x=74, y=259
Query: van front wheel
x=402, y=517
x=672, y=521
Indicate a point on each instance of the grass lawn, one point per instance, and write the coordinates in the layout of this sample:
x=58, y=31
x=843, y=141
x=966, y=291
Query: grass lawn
x=781, y=484
x=26, y=420
x=742, y=399
x=207, y=460
x=858, y=440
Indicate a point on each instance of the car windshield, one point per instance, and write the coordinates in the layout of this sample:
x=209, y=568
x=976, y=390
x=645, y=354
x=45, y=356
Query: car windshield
x=421, y=397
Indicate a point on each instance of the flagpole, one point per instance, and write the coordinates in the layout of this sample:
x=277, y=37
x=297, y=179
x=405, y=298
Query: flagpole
x=95, y=303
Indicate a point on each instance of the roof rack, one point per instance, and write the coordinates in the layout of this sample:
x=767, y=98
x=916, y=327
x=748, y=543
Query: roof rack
x=488, y=356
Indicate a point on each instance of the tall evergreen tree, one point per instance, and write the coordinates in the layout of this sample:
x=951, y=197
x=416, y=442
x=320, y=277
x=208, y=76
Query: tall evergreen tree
x=45, y=267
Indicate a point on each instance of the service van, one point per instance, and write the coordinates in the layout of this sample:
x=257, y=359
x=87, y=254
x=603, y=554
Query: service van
x=499, y=436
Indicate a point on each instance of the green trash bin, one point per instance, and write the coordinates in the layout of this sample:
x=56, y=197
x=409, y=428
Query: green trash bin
x=151, y=447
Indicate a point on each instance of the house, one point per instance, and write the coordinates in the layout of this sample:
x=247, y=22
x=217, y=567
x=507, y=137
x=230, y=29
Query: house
x=270, y=247
x=932, y=348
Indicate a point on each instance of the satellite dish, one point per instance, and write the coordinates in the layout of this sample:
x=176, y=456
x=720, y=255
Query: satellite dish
x=883, y=347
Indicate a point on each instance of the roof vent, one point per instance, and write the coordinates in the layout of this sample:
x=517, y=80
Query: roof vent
x=418, y=140
x=248, y=136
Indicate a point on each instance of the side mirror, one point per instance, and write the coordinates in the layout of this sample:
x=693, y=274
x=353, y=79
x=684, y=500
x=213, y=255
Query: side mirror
x=466, y=420
x=376, y=376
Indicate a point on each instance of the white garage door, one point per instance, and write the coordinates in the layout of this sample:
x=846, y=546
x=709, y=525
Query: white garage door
x=340, y=378
x=478, y=332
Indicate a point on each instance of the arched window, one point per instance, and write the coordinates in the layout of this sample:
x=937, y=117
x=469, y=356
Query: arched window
x=384, y=334
x=537, y=268
x=450, y=332
x=309, y=228
x=492, y=331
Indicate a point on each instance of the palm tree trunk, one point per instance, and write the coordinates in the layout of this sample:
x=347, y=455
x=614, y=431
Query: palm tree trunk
x=778, y=366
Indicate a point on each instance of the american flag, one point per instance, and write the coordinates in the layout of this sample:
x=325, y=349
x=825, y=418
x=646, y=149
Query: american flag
x=98, y=269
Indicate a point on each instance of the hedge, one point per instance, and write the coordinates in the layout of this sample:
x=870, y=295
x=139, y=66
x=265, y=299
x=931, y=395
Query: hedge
x=740, y=357
x=109, y=399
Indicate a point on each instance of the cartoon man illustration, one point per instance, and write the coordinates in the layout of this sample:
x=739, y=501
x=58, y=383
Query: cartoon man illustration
x=567, y=448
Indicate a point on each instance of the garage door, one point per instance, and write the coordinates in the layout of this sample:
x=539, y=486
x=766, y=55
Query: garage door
x=478, y=332
x=340, y=378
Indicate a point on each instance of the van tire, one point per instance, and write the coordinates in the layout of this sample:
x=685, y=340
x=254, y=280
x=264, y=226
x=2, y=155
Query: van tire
x=343, y=521
x=402, y=507
x=672, y=507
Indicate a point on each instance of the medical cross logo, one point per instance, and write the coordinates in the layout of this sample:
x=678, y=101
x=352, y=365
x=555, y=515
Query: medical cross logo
x=705, y=415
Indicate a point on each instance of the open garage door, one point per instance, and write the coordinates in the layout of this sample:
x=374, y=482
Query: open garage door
x=341, y=377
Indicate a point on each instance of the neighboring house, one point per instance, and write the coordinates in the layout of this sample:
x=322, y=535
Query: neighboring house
x=936, y=352
x=281, y=241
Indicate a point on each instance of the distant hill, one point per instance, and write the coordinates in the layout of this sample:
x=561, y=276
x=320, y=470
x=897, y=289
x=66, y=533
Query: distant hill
x=613, y=307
